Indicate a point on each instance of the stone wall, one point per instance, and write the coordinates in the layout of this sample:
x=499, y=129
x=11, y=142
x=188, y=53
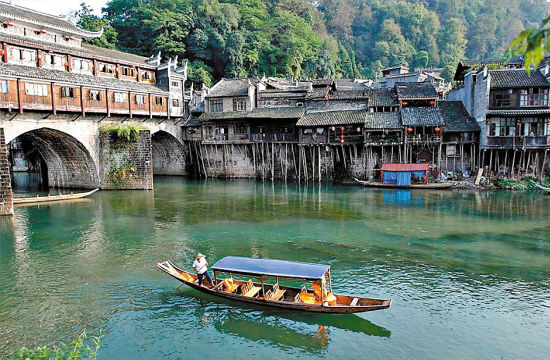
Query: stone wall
x=280, y=161
x=126, y=165
x=169, y=155
x=6, y=196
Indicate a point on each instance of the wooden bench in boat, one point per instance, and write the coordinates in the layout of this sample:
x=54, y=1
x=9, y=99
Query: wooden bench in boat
x=249, y=290
x=354, y=302
x=230, y=286
x=276, y=294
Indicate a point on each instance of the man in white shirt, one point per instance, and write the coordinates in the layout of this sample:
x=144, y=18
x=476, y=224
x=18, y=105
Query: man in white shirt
x=201, y=268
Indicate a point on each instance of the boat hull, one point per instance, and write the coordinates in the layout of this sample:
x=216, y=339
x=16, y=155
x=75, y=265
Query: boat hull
x=47, y=199
x=320, y=308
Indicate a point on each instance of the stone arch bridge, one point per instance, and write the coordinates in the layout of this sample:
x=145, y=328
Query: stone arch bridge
x=77, y=155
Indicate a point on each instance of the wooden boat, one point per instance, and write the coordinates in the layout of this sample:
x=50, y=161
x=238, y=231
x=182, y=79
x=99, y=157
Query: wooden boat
x=412, y=186
x=320, y=299
x=50, y=198
x=543, y=188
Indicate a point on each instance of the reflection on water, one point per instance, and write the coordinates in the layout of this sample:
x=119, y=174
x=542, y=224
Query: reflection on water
x=468, y=272
x=303, y=330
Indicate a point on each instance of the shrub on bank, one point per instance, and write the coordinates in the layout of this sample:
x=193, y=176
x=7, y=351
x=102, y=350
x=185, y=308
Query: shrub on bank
x=83, y=347
x=525, y=183
x=127, y=133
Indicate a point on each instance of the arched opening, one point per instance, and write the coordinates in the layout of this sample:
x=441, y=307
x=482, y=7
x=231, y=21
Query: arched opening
x=168, y=154
x=46, y=157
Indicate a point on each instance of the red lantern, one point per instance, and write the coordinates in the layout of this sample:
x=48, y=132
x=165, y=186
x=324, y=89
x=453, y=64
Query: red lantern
x=342, y=140
x=1, y=52
x=342, y=128
x=405, y=103
x=432, y=102
x=409, y=129
x=437, y=129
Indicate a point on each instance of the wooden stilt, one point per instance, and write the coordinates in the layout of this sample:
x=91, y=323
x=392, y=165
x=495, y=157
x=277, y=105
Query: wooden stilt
x=513, y=163
x=319, y=153
x=543, y=162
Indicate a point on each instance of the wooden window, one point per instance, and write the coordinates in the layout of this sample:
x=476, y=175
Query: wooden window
x=106, y=68
x=140, y=99
x=175, y=103
x=4, y=86
x=120, y=97
x=95, y=95
x=36, y=89
x=175, y=83
x=146, y=75
x=239, y=104
x=533, y=97
x=216, y=105
x=241, y=128
x=501, y=98
x=126, y=71
x=67, y=92
x=159, y=100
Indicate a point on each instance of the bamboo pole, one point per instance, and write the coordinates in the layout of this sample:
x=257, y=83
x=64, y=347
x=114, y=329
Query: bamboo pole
x=272, y=161
x=299, y=163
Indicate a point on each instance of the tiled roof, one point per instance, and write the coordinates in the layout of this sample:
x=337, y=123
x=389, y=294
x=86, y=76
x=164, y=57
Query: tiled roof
x=349, y=84
x=421, y=116
x=20, y=13
x=517, y=78
x=86, y=50
x=382, y=97
x=259, y=113
x=282, y=94
x=320, y=118
x=519, y=112
x=322, y=82
x=383, y=120
x=318, y=94
x=230, y=87
x=415, y=90
x=77, y=79
x=350, y=94
x=456, y=117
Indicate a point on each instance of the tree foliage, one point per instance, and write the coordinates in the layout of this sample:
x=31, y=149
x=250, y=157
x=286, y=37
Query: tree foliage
x=322, y=38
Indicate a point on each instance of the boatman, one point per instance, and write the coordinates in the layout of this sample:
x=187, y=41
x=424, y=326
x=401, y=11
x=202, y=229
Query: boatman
x=201, y=268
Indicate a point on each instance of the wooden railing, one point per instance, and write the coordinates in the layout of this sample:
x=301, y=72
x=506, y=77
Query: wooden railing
x=518, y=141
x=424, y=138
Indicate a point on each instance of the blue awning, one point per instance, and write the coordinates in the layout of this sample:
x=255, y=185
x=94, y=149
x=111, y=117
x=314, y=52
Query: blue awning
x=269, y=267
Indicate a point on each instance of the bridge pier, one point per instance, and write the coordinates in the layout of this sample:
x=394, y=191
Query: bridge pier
x=6, y=196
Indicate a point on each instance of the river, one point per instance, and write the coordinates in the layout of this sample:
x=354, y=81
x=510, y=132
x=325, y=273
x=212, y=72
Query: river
x=468, y=272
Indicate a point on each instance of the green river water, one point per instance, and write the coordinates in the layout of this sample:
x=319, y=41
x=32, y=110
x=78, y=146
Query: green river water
x=468, y=272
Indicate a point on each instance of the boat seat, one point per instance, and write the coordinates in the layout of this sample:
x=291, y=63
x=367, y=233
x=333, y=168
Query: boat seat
x=354, y=302
x=253, y=292
x=278, y=295
x=230, y=286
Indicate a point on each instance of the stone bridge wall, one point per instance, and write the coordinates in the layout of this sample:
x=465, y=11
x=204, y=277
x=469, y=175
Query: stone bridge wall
x=6, y=200
x=77, y=157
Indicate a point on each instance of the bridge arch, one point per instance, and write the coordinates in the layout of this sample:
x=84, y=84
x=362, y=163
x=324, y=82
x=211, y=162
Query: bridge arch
x=68, y=162
x=168, y=154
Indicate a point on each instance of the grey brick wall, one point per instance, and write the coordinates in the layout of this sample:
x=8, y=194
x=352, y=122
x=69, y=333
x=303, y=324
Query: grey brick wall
x=127, y=167
x=6, y=196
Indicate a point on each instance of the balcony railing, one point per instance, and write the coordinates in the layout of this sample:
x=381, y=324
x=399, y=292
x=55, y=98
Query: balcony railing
x=353, y=139
x=518, y=141
x=424, y=138
x=275, y=137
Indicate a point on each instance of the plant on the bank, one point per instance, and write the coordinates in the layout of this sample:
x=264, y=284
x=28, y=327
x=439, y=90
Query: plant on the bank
x=122, y=133
x=83, y=347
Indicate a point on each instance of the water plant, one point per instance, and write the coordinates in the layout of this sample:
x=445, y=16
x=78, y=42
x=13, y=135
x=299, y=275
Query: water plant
x=122, y=133
x=83, y=347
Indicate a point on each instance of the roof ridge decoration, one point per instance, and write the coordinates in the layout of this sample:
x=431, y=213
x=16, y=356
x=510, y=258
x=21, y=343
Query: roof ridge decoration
x=17, y=13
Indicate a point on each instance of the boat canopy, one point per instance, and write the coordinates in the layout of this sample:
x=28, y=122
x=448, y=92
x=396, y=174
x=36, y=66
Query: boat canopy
x=270, y=267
